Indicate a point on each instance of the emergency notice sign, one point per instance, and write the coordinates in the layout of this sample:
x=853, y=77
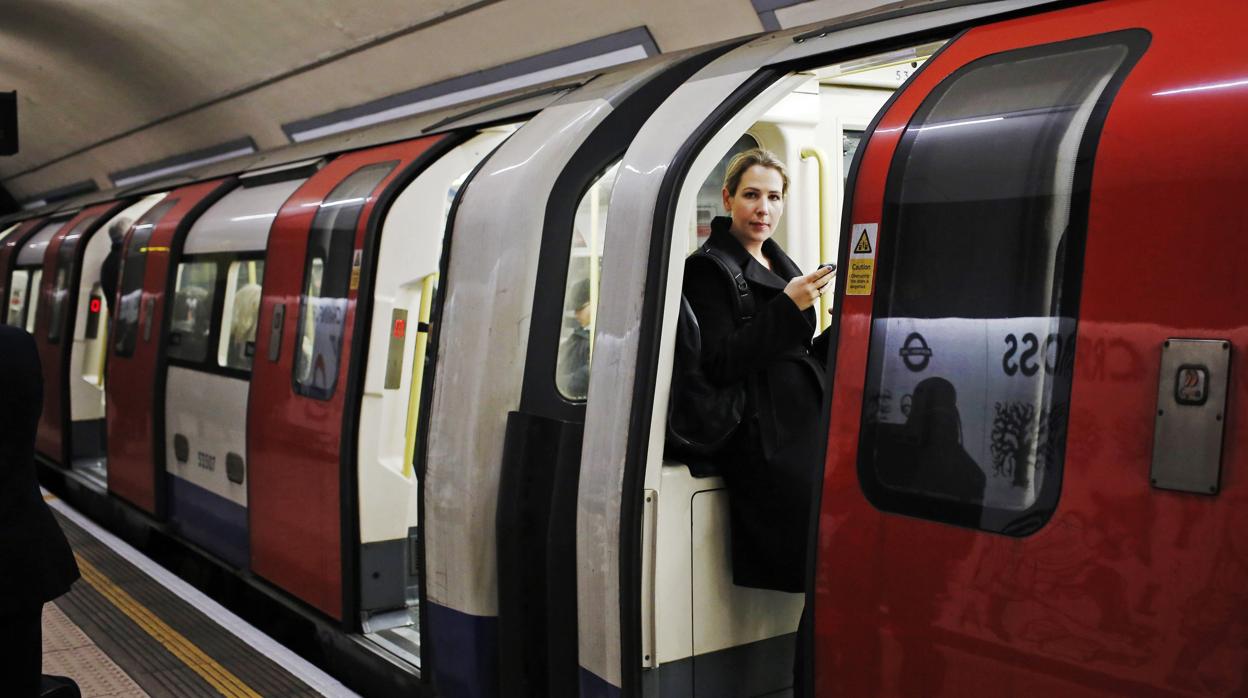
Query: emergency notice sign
x=861, y=259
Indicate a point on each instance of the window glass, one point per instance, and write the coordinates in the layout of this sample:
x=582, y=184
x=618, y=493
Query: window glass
x=580, y=295
x=133, y=266
x=60, y=295
x=326, y=281
x=243, y=284
x=849, y=146
x=32, y=293
x=5, y=233
x=191, y=320
x=64, y=275
x=972, y=342
x=16, y=315
x=710, y=198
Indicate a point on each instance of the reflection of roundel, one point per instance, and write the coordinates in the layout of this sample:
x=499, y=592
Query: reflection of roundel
x=915, y=353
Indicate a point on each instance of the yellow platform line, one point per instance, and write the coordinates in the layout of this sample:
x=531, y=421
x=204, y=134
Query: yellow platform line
x=221, y=678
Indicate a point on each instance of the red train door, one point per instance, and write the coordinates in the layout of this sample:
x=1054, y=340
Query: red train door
x=1003, y=510
x=135, y=390
x=10, y=245
x=304, y=388
x=54, y=329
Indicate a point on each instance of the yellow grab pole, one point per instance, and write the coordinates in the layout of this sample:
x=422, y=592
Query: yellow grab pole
x=418, y=370
x=824, y=243
x=103, y=342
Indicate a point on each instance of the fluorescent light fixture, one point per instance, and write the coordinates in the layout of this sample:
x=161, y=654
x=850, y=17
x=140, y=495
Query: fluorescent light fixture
x=182, y=163
x=595, y=54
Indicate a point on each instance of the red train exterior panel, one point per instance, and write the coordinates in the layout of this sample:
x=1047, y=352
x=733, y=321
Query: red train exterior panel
x=53, y=438
x=135, y=458
x=1128, y=589
x=295, y=442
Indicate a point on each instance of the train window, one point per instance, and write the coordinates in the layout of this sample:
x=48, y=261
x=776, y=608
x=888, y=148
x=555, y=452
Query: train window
x=32, y=294
x=243, y=283
x=710, y=201
x=972, y=342
x=326, y=281
x=133, y=266
x=64, y=273
x=849, y=146
x=60, y=295
x=194, y=292
x=580, y=294
x=18, y=286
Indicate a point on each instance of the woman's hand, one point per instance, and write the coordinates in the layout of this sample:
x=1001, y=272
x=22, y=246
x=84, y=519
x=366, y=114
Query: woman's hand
x=805, y=290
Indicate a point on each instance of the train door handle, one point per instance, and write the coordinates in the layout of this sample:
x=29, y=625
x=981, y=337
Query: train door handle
x=275, y=331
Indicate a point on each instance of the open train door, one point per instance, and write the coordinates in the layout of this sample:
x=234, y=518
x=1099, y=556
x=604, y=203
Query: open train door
x=1027, y=490
x=507, y=401
x=659, y=613
x=135, y=390
x=301, y=407
x=55, y=331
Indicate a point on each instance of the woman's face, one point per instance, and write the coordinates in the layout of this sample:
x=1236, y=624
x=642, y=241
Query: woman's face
x=757, y=205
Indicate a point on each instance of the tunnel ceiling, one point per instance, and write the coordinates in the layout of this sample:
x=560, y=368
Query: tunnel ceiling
x=107, y=86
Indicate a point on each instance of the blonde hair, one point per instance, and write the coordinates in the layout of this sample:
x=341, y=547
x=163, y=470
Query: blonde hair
x=749, y=158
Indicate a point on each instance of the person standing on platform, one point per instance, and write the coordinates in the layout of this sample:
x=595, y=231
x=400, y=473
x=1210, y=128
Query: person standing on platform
x=36, y=563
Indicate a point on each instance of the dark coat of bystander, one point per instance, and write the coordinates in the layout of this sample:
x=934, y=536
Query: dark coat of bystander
x=36, y=563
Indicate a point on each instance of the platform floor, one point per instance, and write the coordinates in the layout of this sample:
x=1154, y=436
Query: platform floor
x=131, y=628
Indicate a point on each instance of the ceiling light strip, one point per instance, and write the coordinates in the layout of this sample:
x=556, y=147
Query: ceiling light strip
x=595, y=54
x=184, y=162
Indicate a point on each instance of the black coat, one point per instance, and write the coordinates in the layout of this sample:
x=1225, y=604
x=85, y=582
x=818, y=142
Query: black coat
x=109, y=272
x=772, y=462
x=36, y=564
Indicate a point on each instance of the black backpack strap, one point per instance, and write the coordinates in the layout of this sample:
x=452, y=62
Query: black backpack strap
x=743, y=298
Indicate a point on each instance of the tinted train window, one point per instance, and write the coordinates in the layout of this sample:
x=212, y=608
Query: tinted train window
x=326, y=281
x=243, y=284
x=190, y=322
x=580, y=291
x=15, y=315
x=64, y=274
x=981, y=244
x=32, y=295
x=130, y=290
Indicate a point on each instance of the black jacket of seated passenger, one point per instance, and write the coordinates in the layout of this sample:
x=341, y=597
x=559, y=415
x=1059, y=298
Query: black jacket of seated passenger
x=36, y=563
x=772, y=462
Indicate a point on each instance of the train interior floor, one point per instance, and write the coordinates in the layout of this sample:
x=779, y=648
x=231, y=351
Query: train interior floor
x=129, y=627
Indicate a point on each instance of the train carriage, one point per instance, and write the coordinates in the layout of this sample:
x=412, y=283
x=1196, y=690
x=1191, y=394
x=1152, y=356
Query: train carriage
x=414, y=380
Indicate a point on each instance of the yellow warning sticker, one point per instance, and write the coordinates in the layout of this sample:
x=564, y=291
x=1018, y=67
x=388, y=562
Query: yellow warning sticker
x=356, y=261
x=864, y=244
x=861, y=276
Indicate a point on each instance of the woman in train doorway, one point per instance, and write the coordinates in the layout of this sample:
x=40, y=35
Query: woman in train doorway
x=771, y=463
